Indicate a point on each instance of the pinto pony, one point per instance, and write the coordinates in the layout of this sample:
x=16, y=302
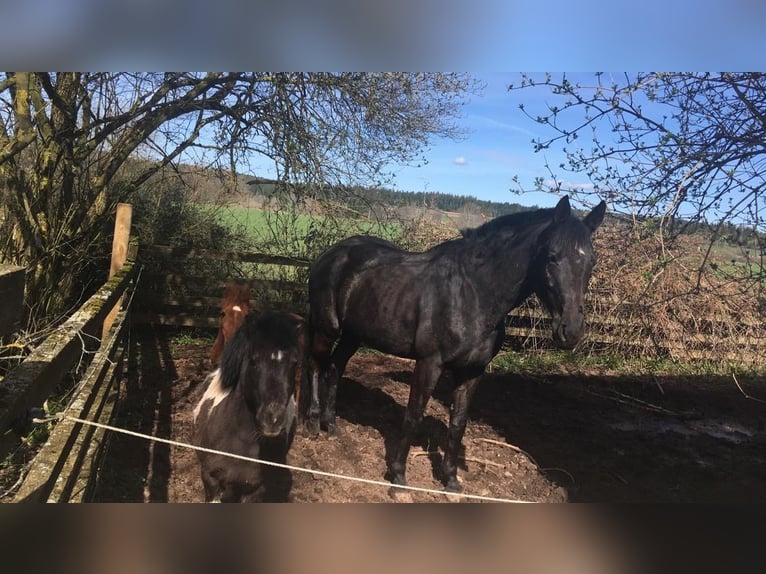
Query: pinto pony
x=249, y=406
x=445, y=308
x=235, y=306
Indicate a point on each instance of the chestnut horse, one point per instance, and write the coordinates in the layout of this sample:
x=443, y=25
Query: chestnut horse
x=235, y=305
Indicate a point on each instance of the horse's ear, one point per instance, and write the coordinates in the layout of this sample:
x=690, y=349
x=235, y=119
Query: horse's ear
x=562, y=209
x=595, y=217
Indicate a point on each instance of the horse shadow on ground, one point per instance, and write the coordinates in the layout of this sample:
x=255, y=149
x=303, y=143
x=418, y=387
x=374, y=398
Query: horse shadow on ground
x=373, y=407
x=634, y=439
x=604, y=439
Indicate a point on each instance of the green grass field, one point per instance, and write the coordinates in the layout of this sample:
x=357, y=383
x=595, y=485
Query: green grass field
x=255, y=222
x=262, y=226
x=288, y=233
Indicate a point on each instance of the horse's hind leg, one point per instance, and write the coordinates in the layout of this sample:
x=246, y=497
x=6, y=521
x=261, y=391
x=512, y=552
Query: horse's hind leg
x=461, y=399
x=427, y=373
x=340, y=357
x=319, y=364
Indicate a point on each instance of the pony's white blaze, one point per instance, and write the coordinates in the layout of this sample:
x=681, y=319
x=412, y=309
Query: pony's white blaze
x=580, y=250
x=237, y=308
x=214, y=393
x=277, y=356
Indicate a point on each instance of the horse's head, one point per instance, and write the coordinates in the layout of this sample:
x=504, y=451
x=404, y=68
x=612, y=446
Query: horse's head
x=562, y=270
x=267, y=357
x=234, y=308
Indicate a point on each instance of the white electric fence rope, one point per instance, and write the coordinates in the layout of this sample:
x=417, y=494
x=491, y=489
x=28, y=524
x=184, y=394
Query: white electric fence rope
x=290, y=467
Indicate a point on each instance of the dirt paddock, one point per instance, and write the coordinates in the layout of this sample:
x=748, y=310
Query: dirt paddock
x=544, y=439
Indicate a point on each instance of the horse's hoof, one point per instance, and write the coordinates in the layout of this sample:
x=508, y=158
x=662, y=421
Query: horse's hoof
x=396, y=477
x=329, y=426
x=312, y=426
x=453, y=486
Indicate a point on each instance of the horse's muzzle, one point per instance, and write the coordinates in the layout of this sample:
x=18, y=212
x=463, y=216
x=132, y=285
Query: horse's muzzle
x=275, y=418
x=566, y=337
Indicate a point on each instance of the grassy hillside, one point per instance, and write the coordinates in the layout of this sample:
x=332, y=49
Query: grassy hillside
x=261, y=225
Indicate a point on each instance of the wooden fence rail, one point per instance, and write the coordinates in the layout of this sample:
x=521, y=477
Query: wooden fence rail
x=63, y=468
x=32, y=382
x=613, y=324
x=168, y=252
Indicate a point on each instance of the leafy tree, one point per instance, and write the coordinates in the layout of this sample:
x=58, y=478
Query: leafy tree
x=66, y=138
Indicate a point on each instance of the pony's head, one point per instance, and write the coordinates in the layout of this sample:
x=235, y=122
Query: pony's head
x=562, y=269
x=266, y=357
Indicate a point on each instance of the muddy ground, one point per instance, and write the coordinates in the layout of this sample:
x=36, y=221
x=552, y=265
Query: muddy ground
x=545, y=438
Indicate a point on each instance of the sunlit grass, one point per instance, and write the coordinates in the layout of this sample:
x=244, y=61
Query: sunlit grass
x=570, y=362
x=184, y=337
x=260, y=225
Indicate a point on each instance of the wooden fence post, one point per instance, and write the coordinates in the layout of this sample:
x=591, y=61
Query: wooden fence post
x=119, y=254
x=11, y=298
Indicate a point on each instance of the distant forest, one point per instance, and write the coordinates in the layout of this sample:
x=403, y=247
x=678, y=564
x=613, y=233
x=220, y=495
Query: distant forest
x=362, y=198
x=726, y=232
x=442, y=201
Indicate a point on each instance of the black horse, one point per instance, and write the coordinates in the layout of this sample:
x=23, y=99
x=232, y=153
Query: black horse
x=445, y=307
x=249, y=407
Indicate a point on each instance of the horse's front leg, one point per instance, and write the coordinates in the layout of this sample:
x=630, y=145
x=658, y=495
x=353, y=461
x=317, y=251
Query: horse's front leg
x=319, y=364
x=461, y=399
x=327, y=400
x=312, y=420
x=427, y=373
x=343, y=352
x=212, y=487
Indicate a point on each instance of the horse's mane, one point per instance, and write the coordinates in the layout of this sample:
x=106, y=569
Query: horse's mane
x=513, y=221
x=571, y=231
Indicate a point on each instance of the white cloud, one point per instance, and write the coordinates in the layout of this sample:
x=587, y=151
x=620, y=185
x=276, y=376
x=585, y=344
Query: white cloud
x=460, y=160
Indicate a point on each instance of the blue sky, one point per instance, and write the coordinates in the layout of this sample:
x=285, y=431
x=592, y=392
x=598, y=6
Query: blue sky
x=497, y=147
x=413, y=35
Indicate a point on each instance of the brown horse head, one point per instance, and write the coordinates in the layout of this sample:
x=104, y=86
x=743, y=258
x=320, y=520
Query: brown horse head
x=235, y=306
